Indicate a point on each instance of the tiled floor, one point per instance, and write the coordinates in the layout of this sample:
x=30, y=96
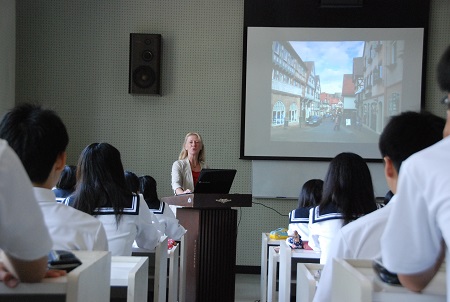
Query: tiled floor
x=247, y=288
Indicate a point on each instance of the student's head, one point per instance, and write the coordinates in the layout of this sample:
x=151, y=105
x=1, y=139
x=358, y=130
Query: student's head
x=404, y=135
x=310, y=194
x=348, y=186
x=68, y=178
x=443, y=77
x=190, y=138
x=39, y=138
x=147, y=186
x=101, y=179
x=132, y=181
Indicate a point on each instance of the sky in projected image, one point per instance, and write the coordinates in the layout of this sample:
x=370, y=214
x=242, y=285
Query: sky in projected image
x=331, y=59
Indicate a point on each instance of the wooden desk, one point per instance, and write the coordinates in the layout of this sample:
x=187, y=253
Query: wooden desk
x=355, y=280
x=77, y=286
x=210, y=243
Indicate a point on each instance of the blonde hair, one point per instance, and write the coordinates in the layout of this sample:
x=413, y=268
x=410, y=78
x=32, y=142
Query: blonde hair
x=184, y=153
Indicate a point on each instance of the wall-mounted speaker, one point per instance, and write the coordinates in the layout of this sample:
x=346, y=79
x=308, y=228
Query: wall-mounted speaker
x=145, y=64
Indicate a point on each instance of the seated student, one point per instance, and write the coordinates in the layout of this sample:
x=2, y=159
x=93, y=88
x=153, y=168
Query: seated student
x=132, y=181
x=24, y=238
x=310, y=196
x=39, y=138
x=172, y=227
x=415, y=247
x=102, y=192
x=347, y=195
x=66, y=183
x=404, y=135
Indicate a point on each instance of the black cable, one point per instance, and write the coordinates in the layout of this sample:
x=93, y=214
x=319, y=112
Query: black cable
x=271, y=209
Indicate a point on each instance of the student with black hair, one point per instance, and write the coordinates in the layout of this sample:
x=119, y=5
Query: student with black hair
x=415, y=247
x=39, y=138
x=102, y=192
x=347, y=195
x=172, y=228
x=66, y=183
x=133, y=184
x=309, y=197
x=24, y=238
x=132, y=181
x=404, y=135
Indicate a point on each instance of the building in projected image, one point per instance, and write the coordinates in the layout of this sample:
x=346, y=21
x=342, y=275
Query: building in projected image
x=370, y=94
x=295, y=87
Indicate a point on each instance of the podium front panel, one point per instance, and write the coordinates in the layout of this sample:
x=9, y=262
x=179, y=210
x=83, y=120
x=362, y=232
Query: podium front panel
x=210, y=244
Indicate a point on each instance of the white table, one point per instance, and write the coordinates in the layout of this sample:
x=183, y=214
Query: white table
x=266, y=242
x=306, y=283
x=130, y=272
x=284, y=257
x=355, y=280
x=77, y=285
x=160, y=277
x=174, y=279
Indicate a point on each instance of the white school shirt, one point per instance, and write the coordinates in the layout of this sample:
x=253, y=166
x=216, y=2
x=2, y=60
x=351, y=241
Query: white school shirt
x=23, y=233
x=136, y=223
x=70, y=228
x=298, y=221
x=412, y=244
x=359, y=239
x=172, y=227
x=322, y=229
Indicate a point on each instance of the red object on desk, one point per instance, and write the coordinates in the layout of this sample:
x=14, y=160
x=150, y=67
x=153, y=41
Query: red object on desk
x=306, y=246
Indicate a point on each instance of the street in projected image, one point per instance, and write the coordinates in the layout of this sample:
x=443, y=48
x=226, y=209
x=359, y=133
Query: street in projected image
x=334, y=91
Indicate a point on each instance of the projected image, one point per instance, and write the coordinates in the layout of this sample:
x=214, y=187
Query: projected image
x=334, y=91
x=312, y=93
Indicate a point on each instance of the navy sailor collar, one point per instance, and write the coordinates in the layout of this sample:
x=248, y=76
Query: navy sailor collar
x=330, y=212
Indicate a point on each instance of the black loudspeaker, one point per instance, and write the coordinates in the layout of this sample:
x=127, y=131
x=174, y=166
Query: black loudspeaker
x=145, y=64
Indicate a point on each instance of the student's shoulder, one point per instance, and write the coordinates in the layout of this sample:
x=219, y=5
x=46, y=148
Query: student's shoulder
x=372, y=220
x=77, y=216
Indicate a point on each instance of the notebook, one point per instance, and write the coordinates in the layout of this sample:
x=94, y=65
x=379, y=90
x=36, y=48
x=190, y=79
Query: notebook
x=215, y=181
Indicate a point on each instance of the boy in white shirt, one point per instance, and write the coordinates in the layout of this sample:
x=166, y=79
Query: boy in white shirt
x=39, y=138
x=404, y=135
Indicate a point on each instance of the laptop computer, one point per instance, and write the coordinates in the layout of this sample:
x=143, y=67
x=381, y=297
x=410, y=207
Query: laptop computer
x=215, y=181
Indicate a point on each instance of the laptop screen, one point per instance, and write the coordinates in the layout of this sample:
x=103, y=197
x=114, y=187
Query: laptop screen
x=215, y=181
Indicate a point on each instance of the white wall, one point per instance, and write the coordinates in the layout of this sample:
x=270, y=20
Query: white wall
x=8, y=54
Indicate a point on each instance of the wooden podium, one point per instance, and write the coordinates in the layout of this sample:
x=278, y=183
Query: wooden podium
x=210, y=243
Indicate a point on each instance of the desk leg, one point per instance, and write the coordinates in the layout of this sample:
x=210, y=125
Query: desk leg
x=272, y=276
x=284, y=283
x=173, y=275
x=264, y=268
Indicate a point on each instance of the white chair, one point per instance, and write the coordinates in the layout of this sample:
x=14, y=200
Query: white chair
x=266, y=242
x=286, y=256
x=355, y=281
x=274, y=258
x=130, y=272
x=77, y=285
x=174, y=255
x=306, y=283
x=160, y=264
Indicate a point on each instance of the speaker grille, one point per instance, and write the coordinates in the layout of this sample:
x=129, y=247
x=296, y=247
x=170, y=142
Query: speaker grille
x=145, y=64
